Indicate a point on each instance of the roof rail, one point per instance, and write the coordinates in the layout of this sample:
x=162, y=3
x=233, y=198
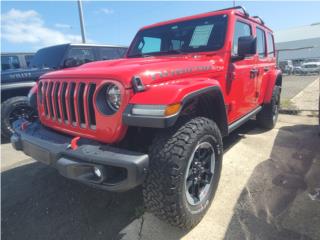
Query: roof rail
x=259, y=18
x=237, y=7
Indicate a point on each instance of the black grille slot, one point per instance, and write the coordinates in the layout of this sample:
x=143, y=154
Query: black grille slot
x=40, y=94
x=56, y=102
x=92, y=117
x=45, y=104
x=50, y=99
x=63, y=101
x=80, y=103
x=71, y=101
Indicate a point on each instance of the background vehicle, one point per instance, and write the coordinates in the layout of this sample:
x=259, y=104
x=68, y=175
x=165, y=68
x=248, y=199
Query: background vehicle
x=15, y=84
x=157, y=117
x=310, y=68
x=15, y=60
x=286, y=66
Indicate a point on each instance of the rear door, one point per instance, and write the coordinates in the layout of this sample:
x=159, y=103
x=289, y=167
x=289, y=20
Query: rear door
x=241, y=86
x=264, y=62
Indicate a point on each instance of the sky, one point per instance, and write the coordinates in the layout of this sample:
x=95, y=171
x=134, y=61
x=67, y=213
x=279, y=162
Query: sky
x=30, y=25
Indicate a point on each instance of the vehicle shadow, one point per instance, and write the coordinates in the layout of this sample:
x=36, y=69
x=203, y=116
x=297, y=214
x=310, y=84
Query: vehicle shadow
x=38, y=203
x=276, y=202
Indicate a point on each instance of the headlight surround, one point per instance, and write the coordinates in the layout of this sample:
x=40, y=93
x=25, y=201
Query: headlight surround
x=109, y=98
x=113, y=97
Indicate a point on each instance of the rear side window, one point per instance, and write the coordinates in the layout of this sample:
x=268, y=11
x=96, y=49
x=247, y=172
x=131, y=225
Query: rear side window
x=81, y=55
x=108, y=53
x=261, y=43
x=270, y=45
x=28, y=59
x=241, y=30
x=150, y=44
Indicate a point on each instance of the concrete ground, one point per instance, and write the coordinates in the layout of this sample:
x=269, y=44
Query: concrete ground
x=262, y=194
x=293, y=84
x=267, y=190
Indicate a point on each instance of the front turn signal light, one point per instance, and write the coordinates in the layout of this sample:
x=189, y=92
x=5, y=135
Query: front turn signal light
x=172, y=109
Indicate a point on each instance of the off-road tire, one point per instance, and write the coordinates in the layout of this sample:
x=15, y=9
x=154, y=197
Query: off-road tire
x=164, y=189
x=268, y=116
x=7, y=107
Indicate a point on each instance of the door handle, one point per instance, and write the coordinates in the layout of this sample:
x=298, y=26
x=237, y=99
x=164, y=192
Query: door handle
x=254, y=72
x=266, y=69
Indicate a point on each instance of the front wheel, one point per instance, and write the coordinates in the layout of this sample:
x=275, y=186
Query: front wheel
x=185, y=166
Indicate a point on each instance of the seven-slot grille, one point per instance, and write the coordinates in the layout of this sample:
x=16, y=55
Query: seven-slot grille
x=68, y=102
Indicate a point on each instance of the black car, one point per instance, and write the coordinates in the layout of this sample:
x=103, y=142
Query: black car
x=16, y=83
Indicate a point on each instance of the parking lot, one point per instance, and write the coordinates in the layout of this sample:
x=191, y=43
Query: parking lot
x=263, y=192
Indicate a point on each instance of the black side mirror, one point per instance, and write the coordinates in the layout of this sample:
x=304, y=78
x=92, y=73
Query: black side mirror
x=70, y=62
x=247, y=46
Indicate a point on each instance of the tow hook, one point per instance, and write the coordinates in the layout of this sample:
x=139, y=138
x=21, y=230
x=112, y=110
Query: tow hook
x=24, y=125
x=74, y=143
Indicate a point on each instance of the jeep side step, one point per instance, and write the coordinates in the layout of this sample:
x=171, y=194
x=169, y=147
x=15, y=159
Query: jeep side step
x=233, y=126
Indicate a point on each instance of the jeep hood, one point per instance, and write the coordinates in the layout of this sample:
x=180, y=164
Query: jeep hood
x=151, y=70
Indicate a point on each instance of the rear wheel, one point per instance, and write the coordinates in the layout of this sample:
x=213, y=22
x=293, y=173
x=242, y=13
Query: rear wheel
x=185, y=166
x=268, y=116
x=12, y=110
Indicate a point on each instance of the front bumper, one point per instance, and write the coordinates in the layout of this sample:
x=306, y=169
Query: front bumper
x=120, y=169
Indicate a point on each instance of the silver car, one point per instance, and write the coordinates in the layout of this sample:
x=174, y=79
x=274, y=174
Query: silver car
x=310, y=67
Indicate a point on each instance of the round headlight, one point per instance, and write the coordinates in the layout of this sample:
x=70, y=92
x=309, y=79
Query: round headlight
x=113, y=97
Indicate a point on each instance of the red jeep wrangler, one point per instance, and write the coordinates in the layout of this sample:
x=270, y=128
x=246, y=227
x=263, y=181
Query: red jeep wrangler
x=158, y=116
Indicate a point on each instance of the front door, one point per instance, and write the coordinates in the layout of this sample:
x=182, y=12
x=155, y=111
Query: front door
x=241, y=85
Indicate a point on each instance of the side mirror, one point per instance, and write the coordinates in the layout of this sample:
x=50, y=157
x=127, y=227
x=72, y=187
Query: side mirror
x=70, y=62
x=246, y=46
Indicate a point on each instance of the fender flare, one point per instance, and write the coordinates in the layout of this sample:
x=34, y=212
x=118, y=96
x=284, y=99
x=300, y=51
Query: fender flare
x=209, y=89
x=276, y=79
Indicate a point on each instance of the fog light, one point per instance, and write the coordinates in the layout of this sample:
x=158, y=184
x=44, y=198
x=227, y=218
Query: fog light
x=97, y=172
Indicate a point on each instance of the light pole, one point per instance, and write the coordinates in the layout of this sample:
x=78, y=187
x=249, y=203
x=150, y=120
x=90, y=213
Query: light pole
x=83, y=34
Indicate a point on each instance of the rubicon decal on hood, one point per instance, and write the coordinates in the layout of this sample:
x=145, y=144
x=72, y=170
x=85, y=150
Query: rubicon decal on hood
x=179, y=71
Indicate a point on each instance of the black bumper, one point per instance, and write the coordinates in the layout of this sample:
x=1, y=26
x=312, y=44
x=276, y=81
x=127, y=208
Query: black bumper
x=120, y=169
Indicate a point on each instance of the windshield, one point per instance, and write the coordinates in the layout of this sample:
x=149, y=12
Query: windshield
x=198, y=35
x=50, y=57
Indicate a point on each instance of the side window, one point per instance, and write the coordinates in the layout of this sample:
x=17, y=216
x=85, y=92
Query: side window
x=9, y=62
x=241, y=30
x=28, y=59
x=261, y=43
x=81, y=55
x=107, y=53
x=150, y=44
x=271, y=52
